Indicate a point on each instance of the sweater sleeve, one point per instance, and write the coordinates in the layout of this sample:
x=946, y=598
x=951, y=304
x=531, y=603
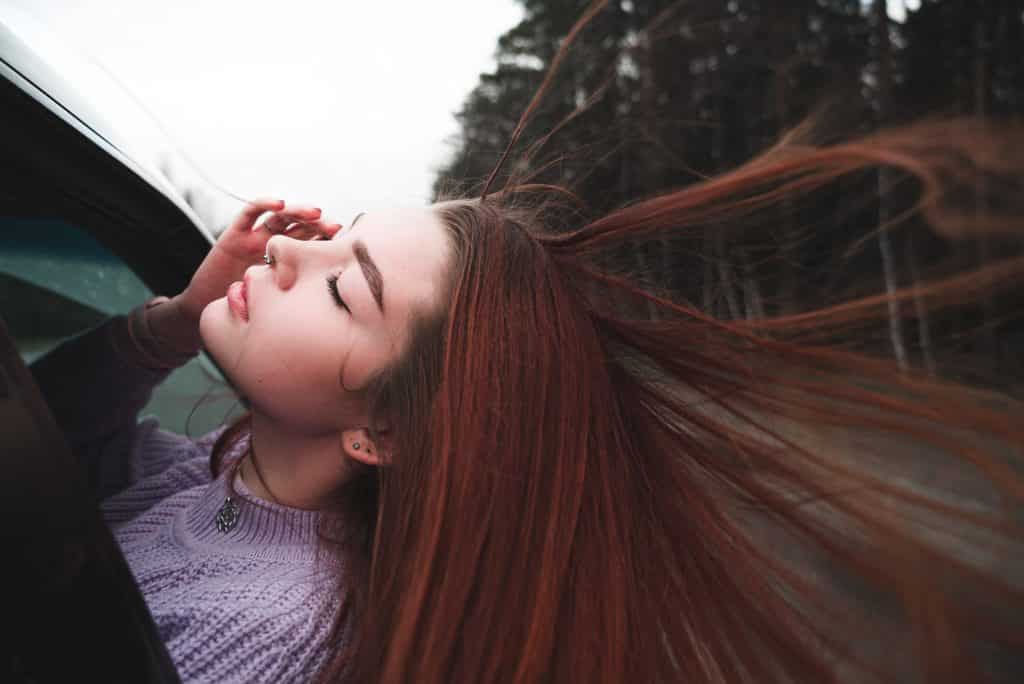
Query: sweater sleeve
x=95, y=390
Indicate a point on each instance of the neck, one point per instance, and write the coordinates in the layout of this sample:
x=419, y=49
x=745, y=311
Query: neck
x=299, y=470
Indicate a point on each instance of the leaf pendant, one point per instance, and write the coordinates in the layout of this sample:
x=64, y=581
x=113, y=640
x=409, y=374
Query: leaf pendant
x=227, y=516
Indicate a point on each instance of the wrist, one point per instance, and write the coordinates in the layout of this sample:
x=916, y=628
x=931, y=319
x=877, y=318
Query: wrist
x=174, y=324
x=188, y=311
x=158, y=335
x=164, y=328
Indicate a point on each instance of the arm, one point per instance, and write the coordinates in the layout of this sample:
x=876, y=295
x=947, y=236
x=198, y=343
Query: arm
x=97, y=382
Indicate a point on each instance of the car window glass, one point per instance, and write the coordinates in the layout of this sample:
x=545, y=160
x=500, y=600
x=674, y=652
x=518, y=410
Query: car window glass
x=56, y=281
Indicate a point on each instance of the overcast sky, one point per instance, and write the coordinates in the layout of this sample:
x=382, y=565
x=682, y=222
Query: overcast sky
x=344, y=104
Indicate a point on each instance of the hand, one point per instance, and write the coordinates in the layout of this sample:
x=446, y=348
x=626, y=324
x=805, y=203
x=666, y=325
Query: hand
x=241, y=245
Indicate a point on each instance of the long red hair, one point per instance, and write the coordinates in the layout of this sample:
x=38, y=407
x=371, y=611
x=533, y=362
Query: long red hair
x=596, y=494
x=592, y=480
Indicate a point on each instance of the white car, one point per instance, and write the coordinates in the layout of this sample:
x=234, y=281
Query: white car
x=88, y=228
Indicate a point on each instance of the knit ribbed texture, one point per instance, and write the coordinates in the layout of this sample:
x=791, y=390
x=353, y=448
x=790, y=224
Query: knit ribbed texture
x=249, y=605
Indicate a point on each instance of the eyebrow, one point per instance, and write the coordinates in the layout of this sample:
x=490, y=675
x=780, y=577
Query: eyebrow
x=345, y=230
x=370, y=271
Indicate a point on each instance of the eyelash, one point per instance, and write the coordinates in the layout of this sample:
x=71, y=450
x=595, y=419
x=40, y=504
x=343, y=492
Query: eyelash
x=332, y=287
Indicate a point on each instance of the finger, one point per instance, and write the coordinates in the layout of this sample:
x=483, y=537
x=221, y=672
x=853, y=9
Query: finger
x=253, y=210
x=312, y=229
x=303, y=212
x=279, y=220
x=326, y=228
x=275, y=223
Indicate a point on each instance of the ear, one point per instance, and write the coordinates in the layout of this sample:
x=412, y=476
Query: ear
x=358, y=445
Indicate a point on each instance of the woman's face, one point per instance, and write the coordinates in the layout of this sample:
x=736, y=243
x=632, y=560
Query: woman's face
x=298, y=354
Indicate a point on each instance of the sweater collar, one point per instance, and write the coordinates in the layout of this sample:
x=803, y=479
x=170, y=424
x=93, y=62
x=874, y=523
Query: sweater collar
x=263, y=530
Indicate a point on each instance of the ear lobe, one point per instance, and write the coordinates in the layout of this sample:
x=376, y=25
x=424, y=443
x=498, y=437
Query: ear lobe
x=358, y=446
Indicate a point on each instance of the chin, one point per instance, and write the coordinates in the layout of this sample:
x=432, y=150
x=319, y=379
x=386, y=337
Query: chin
x=212, y=325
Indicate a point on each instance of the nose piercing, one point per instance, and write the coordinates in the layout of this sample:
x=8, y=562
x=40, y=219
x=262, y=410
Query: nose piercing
x=268, y=260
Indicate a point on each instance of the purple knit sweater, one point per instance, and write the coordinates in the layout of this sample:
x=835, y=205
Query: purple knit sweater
x=254, y=604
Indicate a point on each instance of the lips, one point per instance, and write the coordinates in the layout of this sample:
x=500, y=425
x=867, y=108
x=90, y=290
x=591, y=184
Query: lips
x=237, y=300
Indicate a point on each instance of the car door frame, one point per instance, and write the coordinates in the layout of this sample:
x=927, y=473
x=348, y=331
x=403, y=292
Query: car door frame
x=73, y=610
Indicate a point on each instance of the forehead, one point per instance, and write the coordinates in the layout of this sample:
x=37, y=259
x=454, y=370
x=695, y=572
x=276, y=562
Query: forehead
x=410, y=249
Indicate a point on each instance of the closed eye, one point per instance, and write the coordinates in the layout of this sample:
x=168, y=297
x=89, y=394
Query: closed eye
x=332, y=287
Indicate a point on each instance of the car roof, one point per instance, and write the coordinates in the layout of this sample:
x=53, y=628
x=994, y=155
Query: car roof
x=75, y=87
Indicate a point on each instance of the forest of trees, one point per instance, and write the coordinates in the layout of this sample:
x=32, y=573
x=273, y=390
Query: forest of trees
x=678, y=90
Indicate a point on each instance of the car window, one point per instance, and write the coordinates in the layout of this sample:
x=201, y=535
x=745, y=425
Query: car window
x=56, y=280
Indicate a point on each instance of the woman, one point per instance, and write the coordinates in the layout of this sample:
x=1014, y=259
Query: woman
x=475, y=453
x=504, y=486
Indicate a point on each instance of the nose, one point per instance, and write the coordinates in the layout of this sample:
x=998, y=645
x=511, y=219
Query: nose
x=290, y=256
x=283, y=259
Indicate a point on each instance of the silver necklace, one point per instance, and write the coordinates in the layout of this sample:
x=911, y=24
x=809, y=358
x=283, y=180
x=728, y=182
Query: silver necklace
x=229, y=513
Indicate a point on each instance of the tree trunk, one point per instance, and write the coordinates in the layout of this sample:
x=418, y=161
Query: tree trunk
x=708, y=283
x=883, y=57
x=788, y=279
x=751, y=291
x=725, y=274
x=981, y=89
x=662, y=257
x=924, y=334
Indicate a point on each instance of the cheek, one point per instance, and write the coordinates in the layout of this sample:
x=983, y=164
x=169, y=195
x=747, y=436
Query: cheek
x=291, y=369
x=286, y=361
x=366, y=357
